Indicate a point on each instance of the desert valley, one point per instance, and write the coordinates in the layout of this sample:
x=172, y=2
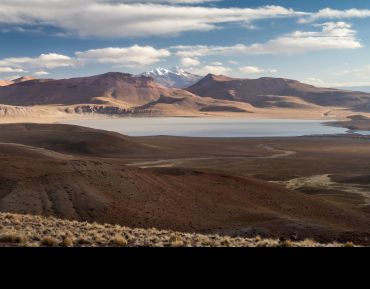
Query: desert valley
x=276, y=188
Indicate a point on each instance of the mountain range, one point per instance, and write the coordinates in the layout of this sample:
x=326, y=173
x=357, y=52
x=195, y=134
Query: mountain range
x=276, y=92
x=121, y=93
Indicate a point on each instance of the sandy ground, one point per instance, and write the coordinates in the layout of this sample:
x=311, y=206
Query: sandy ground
x=325, y=182
x=52, y=114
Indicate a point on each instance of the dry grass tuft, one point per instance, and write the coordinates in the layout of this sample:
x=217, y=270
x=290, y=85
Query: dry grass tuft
x=349, y=245
x=67, y=242
x=12, y=237
x=36, y=231
x=119, y=241
x=49, y=241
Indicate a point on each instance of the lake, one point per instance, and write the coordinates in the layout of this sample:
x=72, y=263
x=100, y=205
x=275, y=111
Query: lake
x=363, y=132
x=210, y=127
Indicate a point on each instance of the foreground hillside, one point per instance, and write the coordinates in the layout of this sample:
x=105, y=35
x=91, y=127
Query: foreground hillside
x=35, y=231
x=89, y=175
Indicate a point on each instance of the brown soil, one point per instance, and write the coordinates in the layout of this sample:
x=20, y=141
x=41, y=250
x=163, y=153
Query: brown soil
x=224, y=187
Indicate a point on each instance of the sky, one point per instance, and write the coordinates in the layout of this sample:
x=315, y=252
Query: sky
x=325, y=43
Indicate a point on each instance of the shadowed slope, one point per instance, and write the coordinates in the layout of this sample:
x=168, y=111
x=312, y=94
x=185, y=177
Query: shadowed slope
x=41, y=181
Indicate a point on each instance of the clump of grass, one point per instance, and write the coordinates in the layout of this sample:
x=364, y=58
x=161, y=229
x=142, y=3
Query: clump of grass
x=263, y=244
x=175, y=241
x=225, y=243
x=12, y=237
x=83, y=241
x=119, y=241
x=49, y=241
x=286, y=244
x=349, y=245
x=67, y=242
x=258, y=239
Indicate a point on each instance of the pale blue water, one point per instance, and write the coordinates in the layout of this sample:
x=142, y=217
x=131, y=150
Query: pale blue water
x=211, y=127
x=363, y=132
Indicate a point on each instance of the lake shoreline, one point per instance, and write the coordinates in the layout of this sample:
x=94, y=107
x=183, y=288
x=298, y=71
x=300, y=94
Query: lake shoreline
x=211, y=127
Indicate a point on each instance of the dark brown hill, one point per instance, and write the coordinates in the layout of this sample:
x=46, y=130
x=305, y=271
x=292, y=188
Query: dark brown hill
x=42, y=173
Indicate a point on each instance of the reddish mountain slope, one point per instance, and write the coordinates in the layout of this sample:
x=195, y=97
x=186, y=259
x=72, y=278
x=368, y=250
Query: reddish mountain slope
x=4, y=83
x=109, y=87
x=264, y=91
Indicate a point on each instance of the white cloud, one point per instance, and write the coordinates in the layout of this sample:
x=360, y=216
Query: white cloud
x=41, y=73
x=333, y=35
x=123, y=56
x=361, y=74
x=217, y=63
x=329, y=13
x=213, y=69
x=50, y=61
x=11, y=70
x=322, y=83
x=107, y=18
x=187, y=62
x=256, y=70
x=130, y=56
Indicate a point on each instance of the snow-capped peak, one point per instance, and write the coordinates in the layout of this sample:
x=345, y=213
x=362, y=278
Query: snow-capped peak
x=174, y=77
x=179, y=71
x=160, y=71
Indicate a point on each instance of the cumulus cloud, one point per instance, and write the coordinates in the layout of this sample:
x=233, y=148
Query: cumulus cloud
x=130, y=56
x=340, y=84
x=329, y=13
x=333, y=35
x=104, y=18
x=41, y=73
x=50, y=61
x=255, y=70
x=187, y=61
x=120, y=56
x=11, y=70
x=213, y=69
x=360, y=73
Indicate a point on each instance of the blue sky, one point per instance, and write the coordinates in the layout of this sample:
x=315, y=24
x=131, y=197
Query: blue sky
x=325, y=43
